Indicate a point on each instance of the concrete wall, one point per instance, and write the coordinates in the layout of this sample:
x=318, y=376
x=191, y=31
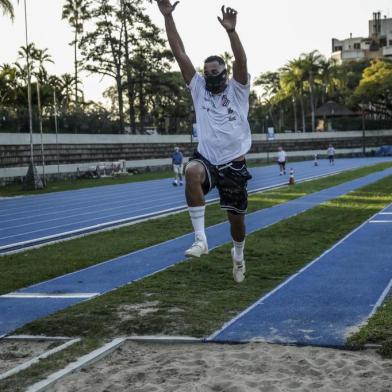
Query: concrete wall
x=139, y=151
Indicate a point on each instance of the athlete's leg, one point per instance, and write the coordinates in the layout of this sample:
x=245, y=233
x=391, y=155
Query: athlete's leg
x=195, y=175
x=237, y=229
x=237, y=226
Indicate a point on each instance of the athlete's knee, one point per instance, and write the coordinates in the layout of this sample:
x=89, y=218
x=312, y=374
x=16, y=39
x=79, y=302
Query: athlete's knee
x=194, y=173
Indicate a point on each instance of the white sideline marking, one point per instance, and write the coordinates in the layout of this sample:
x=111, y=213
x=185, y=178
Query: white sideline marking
x=87, y=359
x=381, y=221
x=382, y=297
x=34, y=360
x=47, y=295
x=262, y=299
x=385, y=213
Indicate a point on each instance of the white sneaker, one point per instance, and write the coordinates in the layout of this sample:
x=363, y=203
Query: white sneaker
x=238, y=268
x=198, y=248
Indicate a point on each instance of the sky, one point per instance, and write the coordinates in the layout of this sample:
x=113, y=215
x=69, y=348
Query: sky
x=272, y=32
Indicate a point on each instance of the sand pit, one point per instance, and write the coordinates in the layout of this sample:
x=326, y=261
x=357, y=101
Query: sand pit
x=148, y=367
x=16, y=352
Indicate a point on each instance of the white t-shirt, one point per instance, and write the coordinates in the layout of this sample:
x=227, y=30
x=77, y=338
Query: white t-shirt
x=281, y=156
x=331, y=151
x=222, y=120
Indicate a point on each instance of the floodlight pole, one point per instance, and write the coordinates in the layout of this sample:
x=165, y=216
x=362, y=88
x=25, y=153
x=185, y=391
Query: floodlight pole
x=29, y=91
x=56, y=128
x=363, y=133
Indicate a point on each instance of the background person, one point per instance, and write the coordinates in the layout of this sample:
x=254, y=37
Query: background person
x=177, y=162
x=331, y=154
x=282, y=159
x=224, y=137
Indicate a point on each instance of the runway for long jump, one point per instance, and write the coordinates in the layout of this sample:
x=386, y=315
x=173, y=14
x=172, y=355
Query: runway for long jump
x=34, y=302
x=32, y=220
x=329, y=298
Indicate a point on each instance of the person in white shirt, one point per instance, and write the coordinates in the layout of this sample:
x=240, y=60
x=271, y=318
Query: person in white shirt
x=331, y=154
x=224, y=136
x=282, y=159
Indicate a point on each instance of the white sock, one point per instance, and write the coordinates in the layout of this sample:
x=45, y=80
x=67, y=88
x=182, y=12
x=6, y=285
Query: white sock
x=239, y=250
x=197, y=218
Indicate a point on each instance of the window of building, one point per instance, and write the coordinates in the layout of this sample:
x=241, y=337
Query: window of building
x=357, y=46
x=338, y=48
x=390, y=42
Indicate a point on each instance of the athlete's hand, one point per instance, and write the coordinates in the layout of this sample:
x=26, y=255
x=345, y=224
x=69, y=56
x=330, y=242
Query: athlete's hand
x=229, y=18
x=166, y=7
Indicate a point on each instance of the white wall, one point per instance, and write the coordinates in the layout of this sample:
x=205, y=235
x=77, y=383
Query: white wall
x=64, y=138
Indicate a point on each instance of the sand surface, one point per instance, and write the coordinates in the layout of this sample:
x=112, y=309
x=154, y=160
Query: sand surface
x=16, y=352
x=150, y=367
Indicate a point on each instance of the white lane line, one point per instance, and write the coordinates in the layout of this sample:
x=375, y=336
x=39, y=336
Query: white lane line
x=84, y=229
x=381, y=221
x=48, y=295
x=95, y=214
x=382, y=298
x=101, y=205
x=385, y=213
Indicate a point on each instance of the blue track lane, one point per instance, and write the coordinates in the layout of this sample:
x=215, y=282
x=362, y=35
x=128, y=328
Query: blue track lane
x=101, y=278
x=328, y=299
x=32, y=220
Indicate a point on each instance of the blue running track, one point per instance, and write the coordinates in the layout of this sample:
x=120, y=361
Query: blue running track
x=33, y=220
x=329, y=298
x=34, y=302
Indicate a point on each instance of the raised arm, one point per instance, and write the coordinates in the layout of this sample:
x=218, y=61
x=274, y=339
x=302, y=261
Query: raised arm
x=175, y=41
x=229, y=22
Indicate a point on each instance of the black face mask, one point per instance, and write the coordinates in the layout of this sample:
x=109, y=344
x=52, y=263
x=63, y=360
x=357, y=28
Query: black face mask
x=217, y=83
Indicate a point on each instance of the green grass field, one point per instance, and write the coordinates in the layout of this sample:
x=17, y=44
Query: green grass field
x=195, y=297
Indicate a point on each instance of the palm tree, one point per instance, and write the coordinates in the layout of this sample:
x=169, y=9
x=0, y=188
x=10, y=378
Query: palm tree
x=66, y=86
x=76, y=12
x=41, y=57
x=270, y=82
x=7, y=8
x=292, y=79
x=311, y=68
x=332, y=78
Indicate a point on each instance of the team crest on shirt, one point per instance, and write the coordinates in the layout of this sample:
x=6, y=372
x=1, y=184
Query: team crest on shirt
x=225, y=100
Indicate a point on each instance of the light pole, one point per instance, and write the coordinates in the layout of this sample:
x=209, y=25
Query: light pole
x=29, y=89
x=33, y=181
x=57, y=132
x=363, y=107
x=267, y=136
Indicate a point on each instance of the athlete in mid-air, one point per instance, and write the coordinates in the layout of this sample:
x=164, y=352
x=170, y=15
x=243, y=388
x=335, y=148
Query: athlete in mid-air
x=221, y=105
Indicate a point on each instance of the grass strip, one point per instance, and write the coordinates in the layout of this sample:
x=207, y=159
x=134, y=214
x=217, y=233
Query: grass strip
x=377, y=331
x=33, y=266
x=196, y=297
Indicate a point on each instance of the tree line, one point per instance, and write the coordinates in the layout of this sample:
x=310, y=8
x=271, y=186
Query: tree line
x=117, y=39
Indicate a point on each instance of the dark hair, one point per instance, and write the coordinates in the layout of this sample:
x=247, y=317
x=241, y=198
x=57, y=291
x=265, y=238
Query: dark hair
x=211, y=59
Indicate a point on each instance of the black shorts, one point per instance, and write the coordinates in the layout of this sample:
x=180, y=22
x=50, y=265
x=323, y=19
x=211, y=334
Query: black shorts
x=231, y=180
